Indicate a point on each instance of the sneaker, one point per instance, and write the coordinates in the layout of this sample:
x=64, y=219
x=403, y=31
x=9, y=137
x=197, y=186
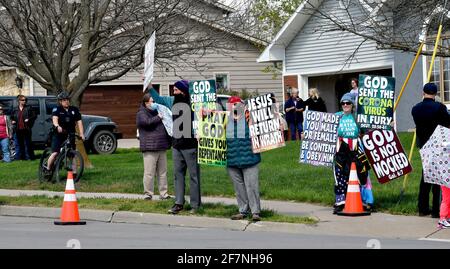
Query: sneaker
x=338, y=209
x=165, y=198
x=239, y=216
x=444, y=224
x=148, y=197
x=176, y=208
x=256, y=217
x=193, y=211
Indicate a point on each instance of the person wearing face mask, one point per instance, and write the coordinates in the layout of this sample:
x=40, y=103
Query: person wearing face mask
x=154, y=143
x=184, y=145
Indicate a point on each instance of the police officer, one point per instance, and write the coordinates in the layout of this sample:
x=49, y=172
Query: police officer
x=427, y=115
x=65, y=118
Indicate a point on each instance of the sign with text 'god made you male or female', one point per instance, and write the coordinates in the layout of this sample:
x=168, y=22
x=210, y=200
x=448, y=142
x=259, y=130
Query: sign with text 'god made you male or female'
x=264, y=125
x=319, y=145
x=375, y=107
x=212, y=144
x=149, y=60
x=203, y=97
x=386, y=155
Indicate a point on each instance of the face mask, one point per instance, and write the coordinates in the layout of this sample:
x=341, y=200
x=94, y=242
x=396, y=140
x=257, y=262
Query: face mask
x=153, y=106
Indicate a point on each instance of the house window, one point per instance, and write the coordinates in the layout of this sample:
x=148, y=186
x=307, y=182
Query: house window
x=441, y=74
x=222, y=82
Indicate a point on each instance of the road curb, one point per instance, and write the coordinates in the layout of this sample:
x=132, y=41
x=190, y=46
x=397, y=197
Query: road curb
x=54, y=213
x=156, y=219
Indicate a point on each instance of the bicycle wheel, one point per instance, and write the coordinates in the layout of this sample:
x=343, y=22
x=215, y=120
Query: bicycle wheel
x=73, y=161
x=43, y=174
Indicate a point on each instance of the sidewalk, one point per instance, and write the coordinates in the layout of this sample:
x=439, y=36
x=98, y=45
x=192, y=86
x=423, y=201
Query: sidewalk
x=377, y=225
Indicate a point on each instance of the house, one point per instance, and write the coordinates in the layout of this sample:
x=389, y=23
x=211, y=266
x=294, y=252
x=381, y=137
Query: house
x=233, y=70
x=320, y=59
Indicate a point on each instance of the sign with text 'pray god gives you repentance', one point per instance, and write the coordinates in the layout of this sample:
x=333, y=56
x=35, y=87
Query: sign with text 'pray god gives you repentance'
x=265, y=126
x=386, y=155
x=375, y=107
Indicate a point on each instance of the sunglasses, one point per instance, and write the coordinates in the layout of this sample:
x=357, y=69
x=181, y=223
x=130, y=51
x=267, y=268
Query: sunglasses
x=346, y=103
x=23, y=100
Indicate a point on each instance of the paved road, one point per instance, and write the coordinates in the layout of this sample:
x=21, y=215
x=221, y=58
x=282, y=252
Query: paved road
x=36, y=233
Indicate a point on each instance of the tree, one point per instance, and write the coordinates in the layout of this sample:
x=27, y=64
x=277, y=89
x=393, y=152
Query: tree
x=272, y=14
x=392, y=24
x=71, y=44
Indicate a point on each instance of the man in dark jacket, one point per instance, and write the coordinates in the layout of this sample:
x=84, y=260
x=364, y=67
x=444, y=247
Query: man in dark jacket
x=154, y=142
x=427, y=115
x=294, y=108
x=23, y=119
x=184, y=145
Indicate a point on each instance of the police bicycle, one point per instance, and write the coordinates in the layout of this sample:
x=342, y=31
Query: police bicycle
x=67, y=160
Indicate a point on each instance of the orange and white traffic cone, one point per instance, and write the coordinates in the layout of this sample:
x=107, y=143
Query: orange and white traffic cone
x=353, y=202
x=69, y=212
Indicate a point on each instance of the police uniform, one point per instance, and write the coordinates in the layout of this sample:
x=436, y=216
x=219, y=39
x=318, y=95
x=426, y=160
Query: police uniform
x=427, y=115
x=67, y=120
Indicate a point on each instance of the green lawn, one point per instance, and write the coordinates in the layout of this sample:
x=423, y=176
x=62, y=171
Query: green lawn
x=281, y=178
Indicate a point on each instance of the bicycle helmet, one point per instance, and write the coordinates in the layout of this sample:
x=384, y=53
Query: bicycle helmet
x=63, y=95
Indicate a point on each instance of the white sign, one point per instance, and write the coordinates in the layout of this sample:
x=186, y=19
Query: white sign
x=149, y=60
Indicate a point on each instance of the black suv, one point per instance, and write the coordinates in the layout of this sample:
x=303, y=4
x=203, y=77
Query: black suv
x=100, y=132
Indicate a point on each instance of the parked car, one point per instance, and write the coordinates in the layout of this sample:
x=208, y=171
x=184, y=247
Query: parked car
x=100, y=132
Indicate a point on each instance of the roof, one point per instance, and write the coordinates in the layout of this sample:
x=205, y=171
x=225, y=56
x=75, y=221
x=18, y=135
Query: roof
x=220, y=5
x=275, y=51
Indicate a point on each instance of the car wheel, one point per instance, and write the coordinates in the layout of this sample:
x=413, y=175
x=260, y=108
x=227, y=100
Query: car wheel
x=104, y=142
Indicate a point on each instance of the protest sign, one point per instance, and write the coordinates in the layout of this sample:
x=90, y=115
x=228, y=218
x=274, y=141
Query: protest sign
x=375, y=104
x=264, y=124
x=319, y=145
x=386, y=155
x=167, y=120
x=203, y=97
x=212, y=144
x=149, y=60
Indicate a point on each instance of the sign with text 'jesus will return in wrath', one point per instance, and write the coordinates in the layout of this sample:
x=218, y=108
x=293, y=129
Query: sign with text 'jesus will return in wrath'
x=375, y=104
x=320, y=130
x=264, y=125
x=386, y=155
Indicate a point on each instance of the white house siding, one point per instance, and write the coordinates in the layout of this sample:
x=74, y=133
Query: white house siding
x=316, y=52
x=244, y=72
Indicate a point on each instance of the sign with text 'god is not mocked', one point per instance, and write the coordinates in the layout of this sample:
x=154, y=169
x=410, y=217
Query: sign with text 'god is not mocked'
x=265, y=127
x=386, y=155
x=375, y=107
x=319, y=145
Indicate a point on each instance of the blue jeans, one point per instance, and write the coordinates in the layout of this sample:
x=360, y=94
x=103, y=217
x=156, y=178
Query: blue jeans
x=293, y=127
x=5, y=149
x=22, y=141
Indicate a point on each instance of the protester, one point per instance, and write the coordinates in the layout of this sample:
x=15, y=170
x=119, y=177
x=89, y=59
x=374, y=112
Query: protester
x=346, y=152
x=154, y=142
x=242, y=163
x=65, y=119
x=184, y=147
x=294, y=108
x=315, y=102
x=427, y=115
x=445, y=208
x=366, y=190
x=23, y=118
x=5, y=135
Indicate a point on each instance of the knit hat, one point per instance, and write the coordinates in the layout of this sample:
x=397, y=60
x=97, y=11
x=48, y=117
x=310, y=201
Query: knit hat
x=430, y=88
x=348, y=97
x=183, y=85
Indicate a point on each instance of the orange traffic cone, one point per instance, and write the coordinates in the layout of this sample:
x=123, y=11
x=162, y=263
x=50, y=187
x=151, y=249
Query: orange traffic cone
x=353, y=201
x=69, y=212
